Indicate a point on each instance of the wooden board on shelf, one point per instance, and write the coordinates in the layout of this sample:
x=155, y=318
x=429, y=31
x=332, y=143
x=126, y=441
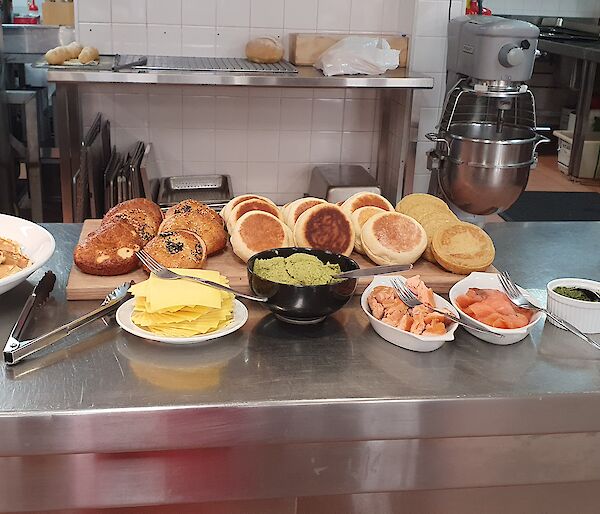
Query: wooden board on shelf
x=90, y=287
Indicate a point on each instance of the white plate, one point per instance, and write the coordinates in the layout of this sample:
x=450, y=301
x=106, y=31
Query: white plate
x=36, y=243
x=416, y=343
x=491, y=281
x=240, y=316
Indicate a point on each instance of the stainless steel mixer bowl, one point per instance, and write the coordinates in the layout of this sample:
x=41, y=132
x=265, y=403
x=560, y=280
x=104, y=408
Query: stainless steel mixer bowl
x=483, y=171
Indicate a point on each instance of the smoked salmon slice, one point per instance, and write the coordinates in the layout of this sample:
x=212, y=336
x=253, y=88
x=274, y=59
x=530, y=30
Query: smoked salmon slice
x=493, y=308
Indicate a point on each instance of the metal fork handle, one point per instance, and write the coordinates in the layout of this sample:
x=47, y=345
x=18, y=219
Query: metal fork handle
x=216, y=285
x=461, y=322
x=572, y=328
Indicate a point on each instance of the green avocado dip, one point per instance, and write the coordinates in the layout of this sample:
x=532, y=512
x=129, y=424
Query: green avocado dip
x=299, y=269
x=576, y=293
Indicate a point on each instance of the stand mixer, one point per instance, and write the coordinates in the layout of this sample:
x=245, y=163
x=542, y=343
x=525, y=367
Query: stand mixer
x=486, y=140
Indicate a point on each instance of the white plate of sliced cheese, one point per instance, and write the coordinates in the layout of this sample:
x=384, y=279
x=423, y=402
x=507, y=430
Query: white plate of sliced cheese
x=240, y=316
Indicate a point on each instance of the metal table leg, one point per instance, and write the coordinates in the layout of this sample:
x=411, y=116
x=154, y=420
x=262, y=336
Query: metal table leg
x=588, y=75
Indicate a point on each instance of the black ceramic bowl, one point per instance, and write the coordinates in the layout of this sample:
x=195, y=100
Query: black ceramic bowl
x=304, y=304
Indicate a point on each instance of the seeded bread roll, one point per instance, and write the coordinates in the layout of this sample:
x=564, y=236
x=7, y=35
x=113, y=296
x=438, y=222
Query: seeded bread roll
x=178, y=249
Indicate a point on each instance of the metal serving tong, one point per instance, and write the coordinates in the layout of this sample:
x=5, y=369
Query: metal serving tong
x=16, y=350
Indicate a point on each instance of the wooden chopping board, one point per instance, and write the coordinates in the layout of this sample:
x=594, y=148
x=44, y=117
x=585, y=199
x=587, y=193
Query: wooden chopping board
x=91, y=287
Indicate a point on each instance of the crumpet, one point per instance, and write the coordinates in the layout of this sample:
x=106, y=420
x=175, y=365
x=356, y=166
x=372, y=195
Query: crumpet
x=325, y=227
x=463, y=248
x=257, y=231
x=359, y=217
x=393, y=238
x=295, y=209
x=254, y=204
x=364, y=199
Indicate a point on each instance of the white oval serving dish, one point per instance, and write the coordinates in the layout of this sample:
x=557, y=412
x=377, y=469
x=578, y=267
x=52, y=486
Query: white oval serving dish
x=584, y=315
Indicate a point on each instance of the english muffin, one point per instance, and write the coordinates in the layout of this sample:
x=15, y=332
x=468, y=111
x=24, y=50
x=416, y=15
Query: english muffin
x=256, y=231
x=463, y=248
x=364, y=199
x=141, y=220
x=178, y=249
x=393, y=238
x=295, y=209
x=254, y=204
x=200, y=222
x=325, y=227
x=239, y=199
x=151, y=208
x=188, y=206
x=110, y=250
x=359, y=217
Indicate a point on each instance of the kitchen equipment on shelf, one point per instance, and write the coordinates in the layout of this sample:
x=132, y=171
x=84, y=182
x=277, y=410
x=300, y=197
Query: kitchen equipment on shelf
x=213, y=190
x=487, y=136
x=338, y=182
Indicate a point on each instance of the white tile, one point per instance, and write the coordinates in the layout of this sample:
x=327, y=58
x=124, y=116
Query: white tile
x=297, y=92
x=390, y=16
x=199, y=12
x=159, y=13
x=366, y=16
x=124, y=138
x=232, y=112
x=266, y=13
x=169, y=168
x=296, y=113
x=232, y=145
x=93, y=11
x=166, y=143
x=406, y=16
x=230, y=91
x=325, y=147
x=262, y=176
x=327, y=114
x=356, y=146
x=198, y=41
x=428, y=54
x=359, y=115
x=231, y=41
x=428, y=119
x=301, y=14
x=165, y=111
x=164, y=40
x=128, y=11
x=431, y=97
x=457, y=8
x=238, y=171
x=431, y=19
x=199, y=168
x=293, y=177
x=366, y=93
x=264, y=113
x=334, y=15
x=93, y=103
x=263, y=145
x=129, y=39
x=276, y=34
x=233, y=13
x=98, y=35
x=199, y=112
x=264, y=92
x=330, y=92
x=198, y=145
x=421, y=156
x=294, y=146
x=421, y=184
x=131, y=111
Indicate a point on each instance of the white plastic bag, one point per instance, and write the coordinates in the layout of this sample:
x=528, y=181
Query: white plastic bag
x=358, y=55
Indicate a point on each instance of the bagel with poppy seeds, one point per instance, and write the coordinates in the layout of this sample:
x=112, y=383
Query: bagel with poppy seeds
x=393, y=238
x=202, y=223
x=256, y=231
x=143, y=222
x=295, y=209
x=254, y=204
x=325, y=227
x=178, y=249
x=188, y=206
x=149, y=207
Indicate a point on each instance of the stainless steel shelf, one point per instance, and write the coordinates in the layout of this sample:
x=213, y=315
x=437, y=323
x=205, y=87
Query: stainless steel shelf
x=306, y=77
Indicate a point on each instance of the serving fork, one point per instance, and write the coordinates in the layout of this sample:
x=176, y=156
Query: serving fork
x=516, y=296
x=410, y=300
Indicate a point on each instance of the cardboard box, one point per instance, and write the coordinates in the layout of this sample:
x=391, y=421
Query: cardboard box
x=58, y=13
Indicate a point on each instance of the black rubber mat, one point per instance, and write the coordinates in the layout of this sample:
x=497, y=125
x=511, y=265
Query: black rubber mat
x=554, y=206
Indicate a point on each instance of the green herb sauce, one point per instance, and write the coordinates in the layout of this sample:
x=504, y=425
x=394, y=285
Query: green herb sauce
x=576, y=293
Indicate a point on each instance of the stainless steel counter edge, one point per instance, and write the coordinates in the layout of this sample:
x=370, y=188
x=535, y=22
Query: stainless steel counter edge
x=306, y=77
x=173, y=428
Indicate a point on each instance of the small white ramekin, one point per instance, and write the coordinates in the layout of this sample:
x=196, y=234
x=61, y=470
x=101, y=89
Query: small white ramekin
x=584, y=315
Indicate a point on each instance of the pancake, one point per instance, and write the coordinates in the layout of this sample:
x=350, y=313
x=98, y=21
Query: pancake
x=238, y=199
x=254, y=204
x=359, y=217
x=409, y=201
x=203, y=224
x=463, y=248
x=295, y=209
x=256, y=231
x=178, y=249
x=363, y=199
x=325, y=227
x=149, y=207
x=393, y=238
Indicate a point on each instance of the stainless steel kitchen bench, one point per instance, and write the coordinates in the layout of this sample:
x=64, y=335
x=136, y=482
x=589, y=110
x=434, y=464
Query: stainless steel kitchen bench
x=395, y=101
x=278, y=418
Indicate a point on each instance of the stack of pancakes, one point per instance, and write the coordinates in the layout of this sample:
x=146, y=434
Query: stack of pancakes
x=456, y=246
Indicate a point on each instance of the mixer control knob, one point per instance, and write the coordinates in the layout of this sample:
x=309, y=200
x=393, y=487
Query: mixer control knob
x=511, y=55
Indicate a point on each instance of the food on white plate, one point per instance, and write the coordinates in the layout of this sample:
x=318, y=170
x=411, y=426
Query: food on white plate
x=364, y=199
x=180, y=308
x=298, y=269
x=74, y=49
x=239, y=199
x=89, y=54
x=294, y=210
x=256, y=231
x=325, y=227
x=178, y=249
x=386, y=306
x=264, y=50
x=254, y=204
x=493, y=308
x=110, y=250
x=359, y=217
x=12, y=258
x=393, y=238
x=463, y=248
